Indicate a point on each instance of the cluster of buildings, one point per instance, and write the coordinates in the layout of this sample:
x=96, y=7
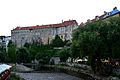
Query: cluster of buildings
x=44, y=34
x=4, y=40
x=114, y=13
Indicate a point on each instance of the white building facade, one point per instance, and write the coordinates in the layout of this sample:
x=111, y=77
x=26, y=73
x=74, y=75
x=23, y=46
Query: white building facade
x=4, y=40
x=43, y=34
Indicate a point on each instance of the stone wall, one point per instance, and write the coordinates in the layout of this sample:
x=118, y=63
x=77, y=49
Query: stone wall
x=69, y=70
x=41, y=35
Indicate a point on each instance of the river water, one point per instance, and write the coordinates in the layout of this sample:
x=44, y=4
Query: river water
x=47, y=76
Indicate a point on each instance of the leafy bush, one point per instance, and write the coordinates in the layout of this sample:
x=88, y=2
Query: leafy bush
x=13, y=76
x=64, y=54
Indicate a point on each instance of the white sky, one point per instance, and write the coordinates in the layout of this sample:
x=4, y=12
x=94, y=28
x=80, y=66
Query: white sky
x=37, y=12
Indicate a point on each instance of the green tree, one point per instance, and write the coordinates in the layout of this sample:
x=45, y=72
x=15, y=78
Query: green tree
x=2, y=56
x=23, y=55
x=57, y=42
x=97, y=40
x=10, y=43
x=11, y=54
x=63, y=54
x=27, y=45
x=45, y=53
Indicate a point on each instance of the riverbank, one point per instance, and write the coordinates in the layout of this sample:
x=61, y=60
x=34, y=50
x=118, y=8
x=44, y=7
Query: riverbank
x=26, y=73
x=76, y=72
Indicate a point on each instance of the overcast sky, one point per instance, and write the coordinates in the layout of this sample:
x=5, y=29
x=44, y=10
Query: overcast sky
x=22, y=13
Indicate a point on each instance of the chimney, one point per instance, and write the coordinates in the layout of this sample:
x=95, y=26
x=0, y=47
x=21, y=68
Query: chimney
x=81, y=24
x=97, y=18
x=88, y=20
x=114, y=8
x=62, y=21
x=105, y=12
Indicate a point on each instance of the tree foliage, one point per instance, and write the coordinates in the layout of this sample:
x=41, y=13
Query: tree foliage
x=64, y=54
x=97, y=40
x=32, y=51
x=11, y=54
x=57, y=42
x=23, y=55
x=2, y=56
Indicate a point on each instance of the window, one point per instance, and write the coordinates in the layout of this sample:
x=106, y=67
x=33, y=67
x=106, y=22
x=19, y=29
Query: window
x=58, y=30
x=109, y=13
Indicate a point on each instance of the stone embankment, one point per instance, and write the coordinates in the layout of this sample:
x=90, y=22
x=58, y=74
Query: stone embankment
x=21, y=68
x=84, y=74
x=29, y=74
x=53, y=72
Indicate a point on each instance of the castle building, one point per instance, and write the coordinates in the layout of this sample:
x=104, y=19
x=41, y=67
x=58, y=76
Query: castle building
x=43, y=34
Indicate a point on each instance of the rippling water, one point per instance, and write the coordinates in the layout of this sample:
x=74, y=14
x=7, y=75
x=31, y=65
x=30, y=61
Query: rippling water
x=47, y=76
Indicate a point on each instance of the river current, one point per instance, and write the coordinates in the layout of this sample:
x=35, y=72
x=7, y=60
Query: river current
x=47, y=76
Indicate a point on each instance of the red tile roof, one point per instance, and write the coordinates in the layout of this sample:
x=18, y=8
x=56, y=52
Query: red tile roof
x=100, y=17
x=65, y=23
